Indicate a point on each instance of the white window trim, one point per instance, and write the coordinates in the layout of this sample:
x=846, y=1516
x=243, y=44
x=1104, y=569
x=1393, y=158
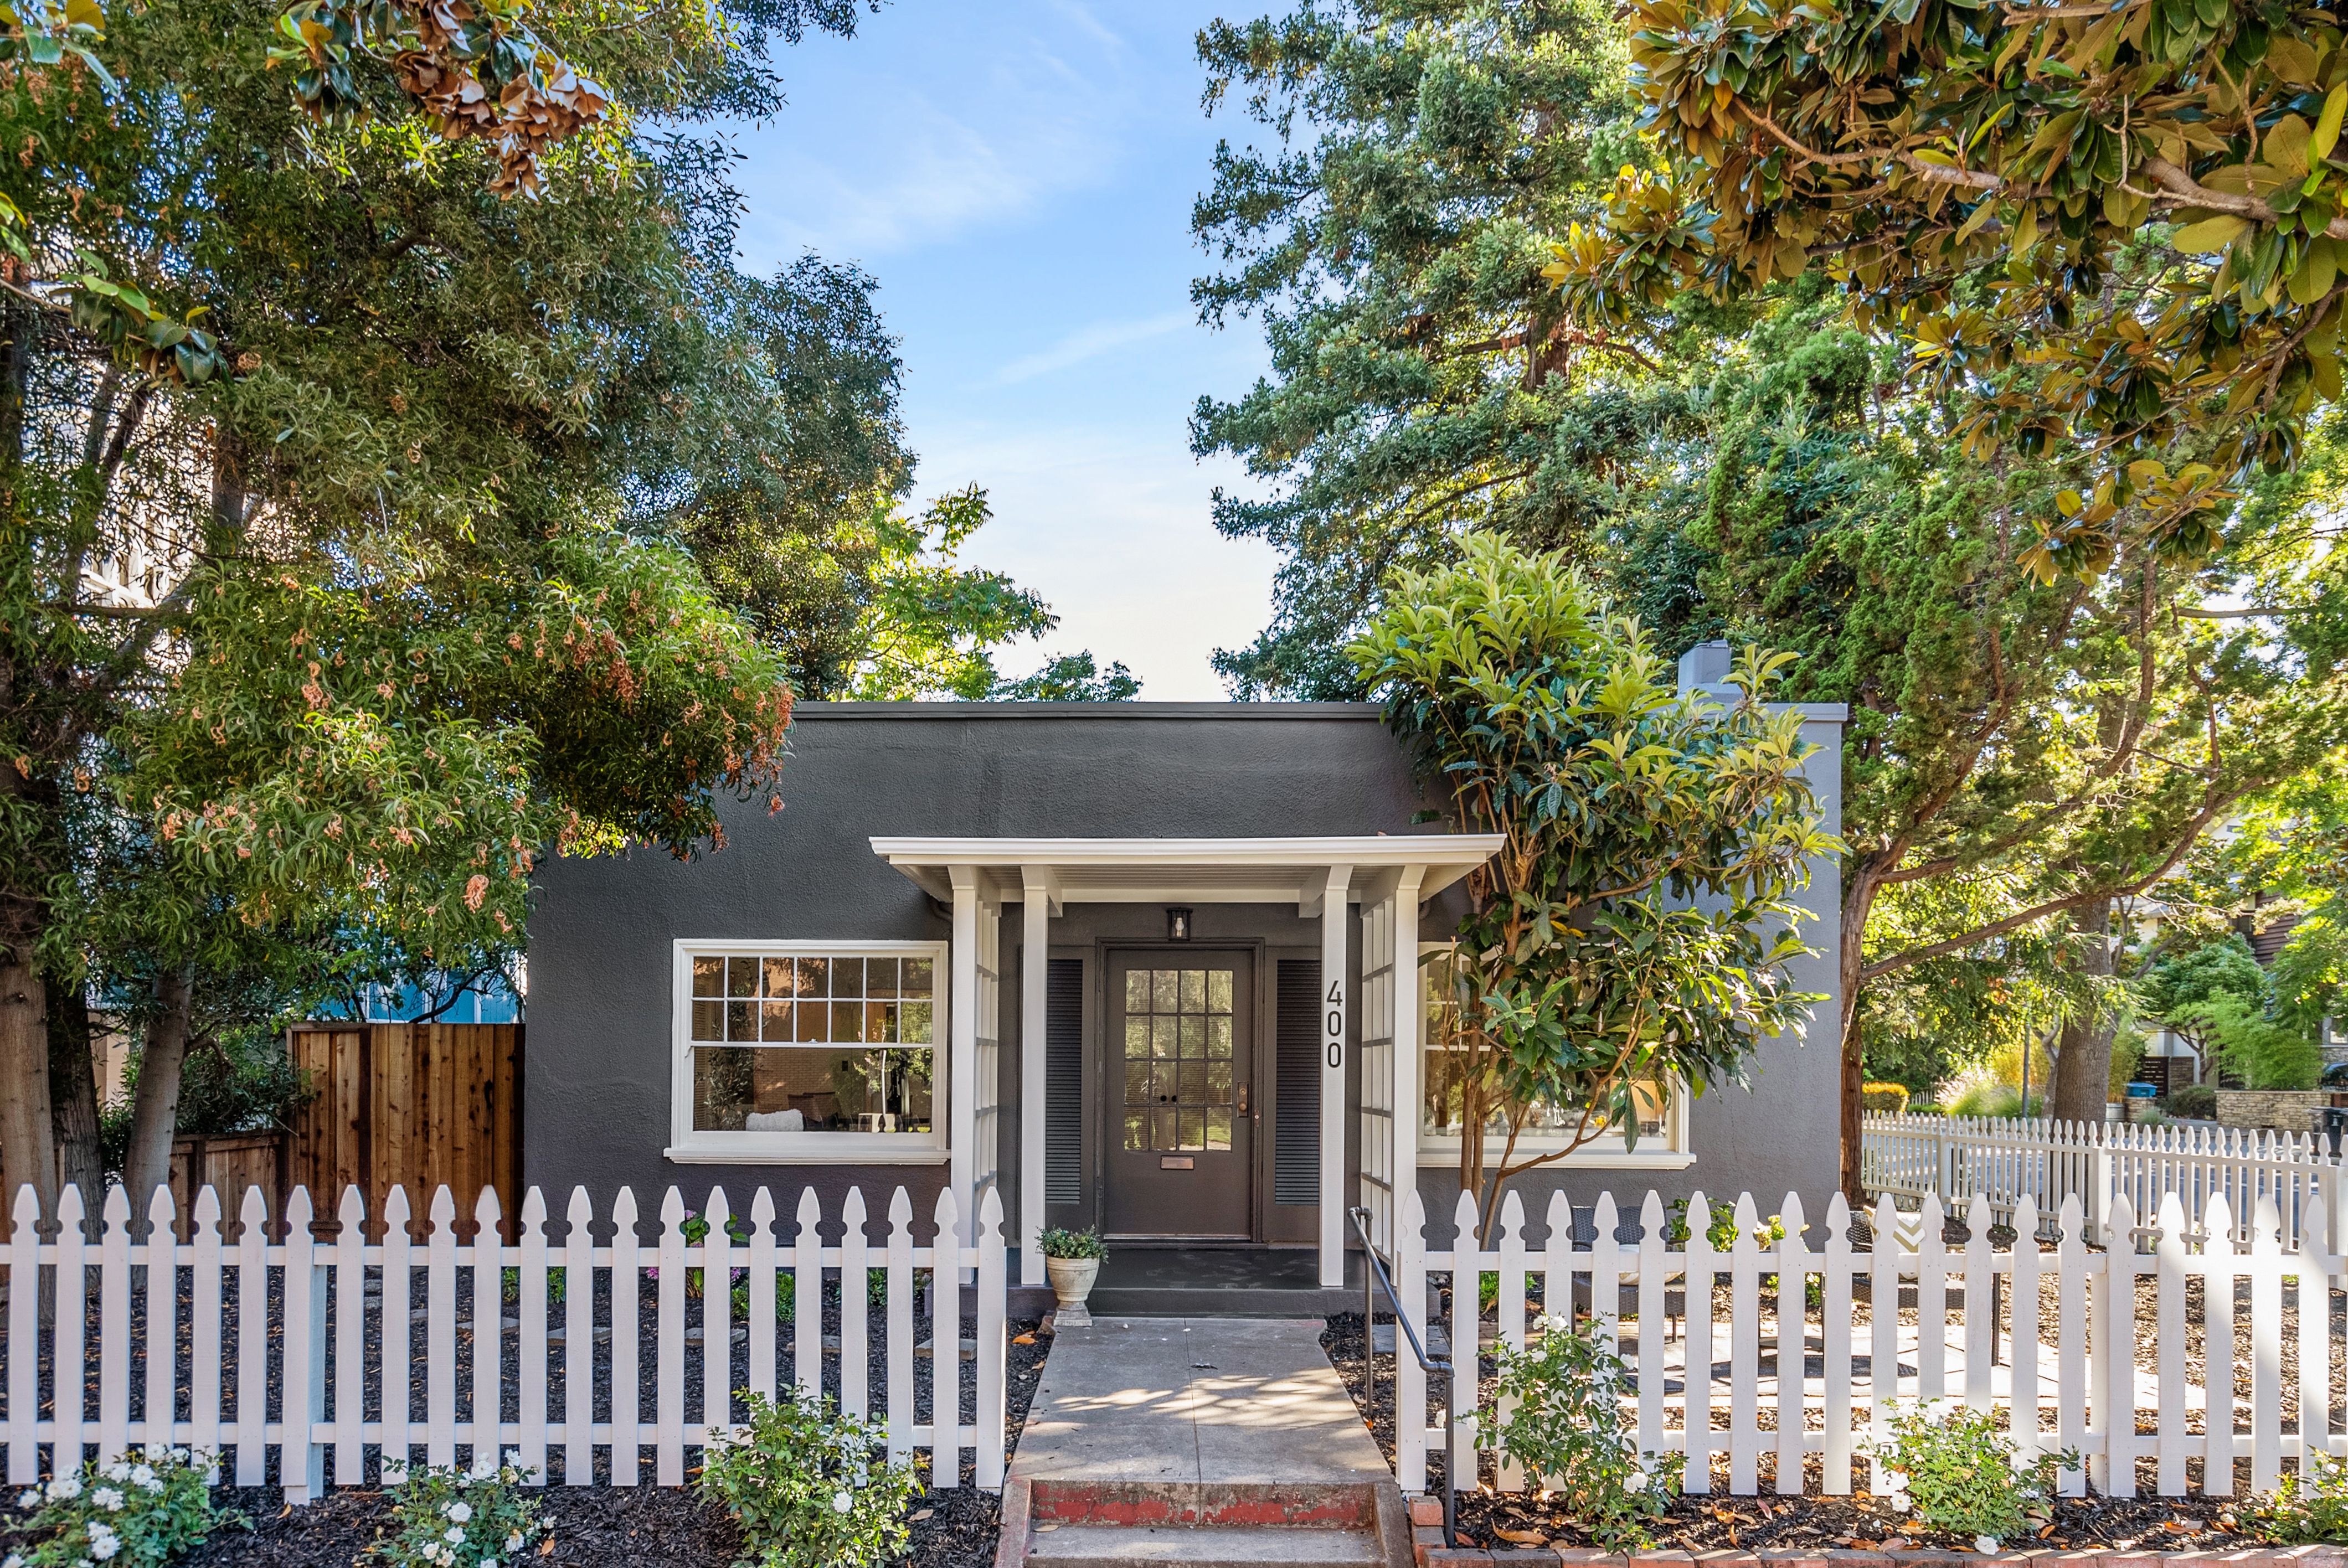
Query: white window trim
x=1670, y=1151
x=689, y=1147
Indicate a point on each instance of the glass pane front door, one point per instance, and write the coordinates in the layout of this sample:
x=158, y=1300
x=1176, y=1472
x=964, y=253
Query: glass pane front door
x=1180, y=1126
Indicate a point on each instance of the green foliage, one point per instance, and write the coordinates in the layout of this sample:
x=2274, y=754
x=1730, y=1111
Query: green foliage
x=1720, y=1226
x=1071, y=678
x=1633, y=932
x=2178, y=984
x=2253, y=1047
x=1884, y=1098
x=2196, y=1101
x=2150, y=294
x=1570, y=1432
x=1390, y=231
x=444, y=1517
x=1057, y=1242
x=2311, y=968
x=2310, y=1504
x=141, y=1510
x=809, y=1487
x=1957, y=1472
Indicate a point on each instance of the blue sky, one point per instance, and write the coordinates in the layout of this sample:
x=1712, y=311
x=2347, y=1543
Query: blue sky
x=1019, y=175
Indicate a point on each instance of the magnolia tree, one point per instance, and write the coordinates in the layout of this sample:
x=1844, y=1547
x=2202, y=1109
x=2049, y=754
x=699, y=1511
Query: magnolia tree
x=1632, y=937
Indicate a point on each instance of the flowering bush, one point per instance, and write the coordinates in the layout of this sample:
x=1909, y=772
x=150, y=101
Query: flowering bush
x=2309, y=1504
x=443, y=1517
x=1569, y=1430
x=1956, y=1469
x=809, y=1487
x=130, y=1513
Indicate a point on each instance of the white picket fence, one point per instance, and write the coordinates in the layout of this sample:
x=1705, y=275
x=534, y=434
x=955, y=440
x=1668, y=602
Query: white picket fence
x=2080, y=1348
x=321, y=1327
x=1956, y=1157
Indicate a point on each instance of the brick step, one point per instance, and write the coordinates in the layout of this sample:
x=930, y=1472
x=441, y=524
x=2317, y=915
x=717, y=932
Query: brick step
x=1107, y=1524
x=1203, y=1546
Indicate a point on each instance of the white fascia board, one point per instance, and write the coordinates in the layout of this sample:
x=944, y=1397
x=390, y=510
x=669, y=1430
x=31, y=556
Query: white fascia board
x=1445, y=858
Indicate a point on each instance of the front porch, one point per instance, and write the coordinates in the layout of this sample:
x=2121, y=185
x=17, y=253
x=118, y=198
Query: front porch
x=1179, y=1060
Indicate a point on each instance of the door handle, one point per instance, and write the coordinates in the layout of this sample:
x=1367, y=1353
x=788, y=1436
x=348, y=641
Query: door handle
x=1242, y=1099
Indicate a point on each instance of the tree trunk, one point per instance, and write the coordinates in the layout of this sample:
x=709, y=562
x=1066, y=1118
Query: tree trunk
x=73, y=1094
x=155, y=1108
x=1857, y=903
x=2083, y=1060
x=28, y=1147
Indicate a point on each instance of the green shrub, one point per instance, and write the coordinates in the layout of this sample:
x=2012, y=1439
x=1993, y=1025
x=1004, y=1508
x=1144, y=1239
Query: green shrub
x=809, y=1487
x=129, y=1514
x=1885, y=1099
x=2309, y=1505
x=2197, y=1101
x=1569, y=1432
x=443, y=1517
x=1957, y=1470
x=1058, y=1243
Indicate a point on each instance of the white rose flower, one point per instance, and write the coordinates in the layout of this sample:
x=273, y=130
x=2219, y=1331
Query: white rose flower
x=12, y=1561
x=486, y=1563
x=65, y=1489
x=513, y=1456
x=106, y=1498
x=483, y=1469
x=28, y=1498
x=1985, y=1544
x=181, y=1455
x=453, y=1536
x=460, y=1511
x=118, y=1470
x=103, y=1542
x=143, y=1475
x=514, y=1541
x=841, y=1502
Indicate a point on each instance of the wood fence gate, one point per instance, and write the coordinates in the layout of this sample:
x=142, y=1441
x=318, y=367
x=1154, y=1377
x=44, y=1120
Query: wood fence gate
x=414, y=1105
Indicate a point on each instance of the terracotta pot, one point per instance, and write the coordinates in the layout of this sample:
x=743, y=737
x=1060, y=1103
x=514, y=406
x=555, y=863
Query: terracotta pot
x=1072, y=1281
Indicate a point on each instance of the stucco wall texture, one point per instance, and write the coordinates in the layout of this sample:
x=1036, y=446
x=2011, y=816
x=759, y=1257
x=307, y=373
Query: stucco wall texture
x=597, y=1069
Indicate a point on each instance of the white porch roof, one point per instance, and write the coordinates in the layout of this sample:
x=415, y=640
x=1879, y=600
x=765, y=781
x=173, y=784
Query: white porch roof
x=1192, y=870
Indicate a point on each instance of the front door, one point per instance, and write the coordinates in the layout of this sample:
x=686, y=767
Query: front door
x=1180, y=1138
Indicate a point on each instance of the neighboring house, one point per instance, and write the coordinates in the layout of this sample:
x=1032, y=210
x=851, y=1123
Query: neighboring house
x=494, y=1000
x=1134, y=965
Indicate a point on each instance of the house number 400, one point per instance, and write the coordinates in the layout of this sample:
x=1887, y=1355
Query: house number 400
x=1336, y=1026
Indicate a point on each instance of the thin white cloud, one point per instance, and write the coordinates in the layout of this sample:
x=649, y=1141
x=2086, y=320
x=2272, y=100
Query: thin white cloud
x=1090, y=342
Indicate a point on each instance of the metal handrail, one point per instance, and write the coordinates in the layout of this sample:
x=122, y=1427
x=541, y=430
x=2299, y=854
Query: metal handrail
x=1374, y=1272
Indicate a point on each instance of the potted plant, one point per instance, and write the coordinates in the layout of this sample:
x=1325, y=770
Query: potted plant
x=1072, y=1260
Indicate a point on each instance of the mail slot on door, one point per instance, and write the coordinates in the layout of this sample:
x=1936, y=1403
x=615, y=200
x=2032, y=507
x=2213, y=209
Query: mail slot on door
x=1174, y=1162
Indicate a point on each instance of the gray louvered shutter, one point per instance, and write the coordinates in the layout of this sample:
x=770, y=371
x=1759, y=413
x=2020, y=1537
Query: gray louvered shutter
x=1064, y=1081
x=1296, y=1100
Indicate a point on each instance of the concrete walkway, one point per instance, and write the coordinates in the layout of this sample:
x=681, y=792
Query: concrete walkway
x=1206, y=1402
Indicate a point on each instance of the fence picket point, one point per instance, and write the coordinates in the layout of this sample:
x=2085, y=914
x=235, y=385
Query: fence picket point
x=945, y=1345
x=1835, y=1351
x=990, y=1371
x=627, y=1347
x=1510, y=1304
x=716, y=1312
x=763, y=1294
x=579, y=1339
x=855, y=1304
x=668, y=1369
x=114, y=1327
x=1793, y=1258
x=302, y=1369
x=251, y=1338
x=807, y=1296
x=530, y=1308
x=1744, y=1349
x=350, y=1339
x=488, y=1330
x=1701, y=1348
x=899, y=1309
x=398, y=1329
x=161, y=1347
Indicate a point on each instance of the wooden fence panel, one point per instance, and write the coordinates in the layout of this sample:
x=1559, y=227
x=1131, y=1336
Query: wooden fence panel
x=411, y=1105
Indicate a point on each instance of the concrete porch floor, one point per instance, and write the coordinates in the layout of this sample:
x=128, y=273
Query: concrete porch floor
x=1142, y=1280
x=1213, y=1402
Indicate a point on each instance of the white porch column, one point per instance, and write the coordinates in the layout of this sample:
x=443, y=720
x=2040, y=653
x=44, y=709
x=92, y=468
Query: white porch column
x=1334, y=1009
x=1408, y=1025
x=1034, y=953
x=962, y=1048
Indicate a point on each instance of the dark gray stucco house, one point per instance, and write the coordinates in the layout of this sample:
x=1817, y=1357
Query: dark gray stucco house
x=1138, y=964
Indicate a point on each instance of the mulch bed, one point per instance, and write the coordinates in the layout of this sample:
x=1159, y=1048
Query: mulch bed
x=1813, y=1521
x=613, y=1527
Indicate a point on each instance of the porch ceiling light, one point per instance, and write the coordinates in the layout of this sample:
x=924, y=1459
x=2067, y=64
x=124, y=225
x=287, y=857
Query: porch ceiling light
x=1178, y=925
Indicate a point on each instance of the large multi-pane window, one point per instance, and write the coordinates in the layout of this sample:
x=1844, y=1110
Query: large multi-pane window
x=792, y=1038
x=1446, y=1065
x=1179, y=1089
